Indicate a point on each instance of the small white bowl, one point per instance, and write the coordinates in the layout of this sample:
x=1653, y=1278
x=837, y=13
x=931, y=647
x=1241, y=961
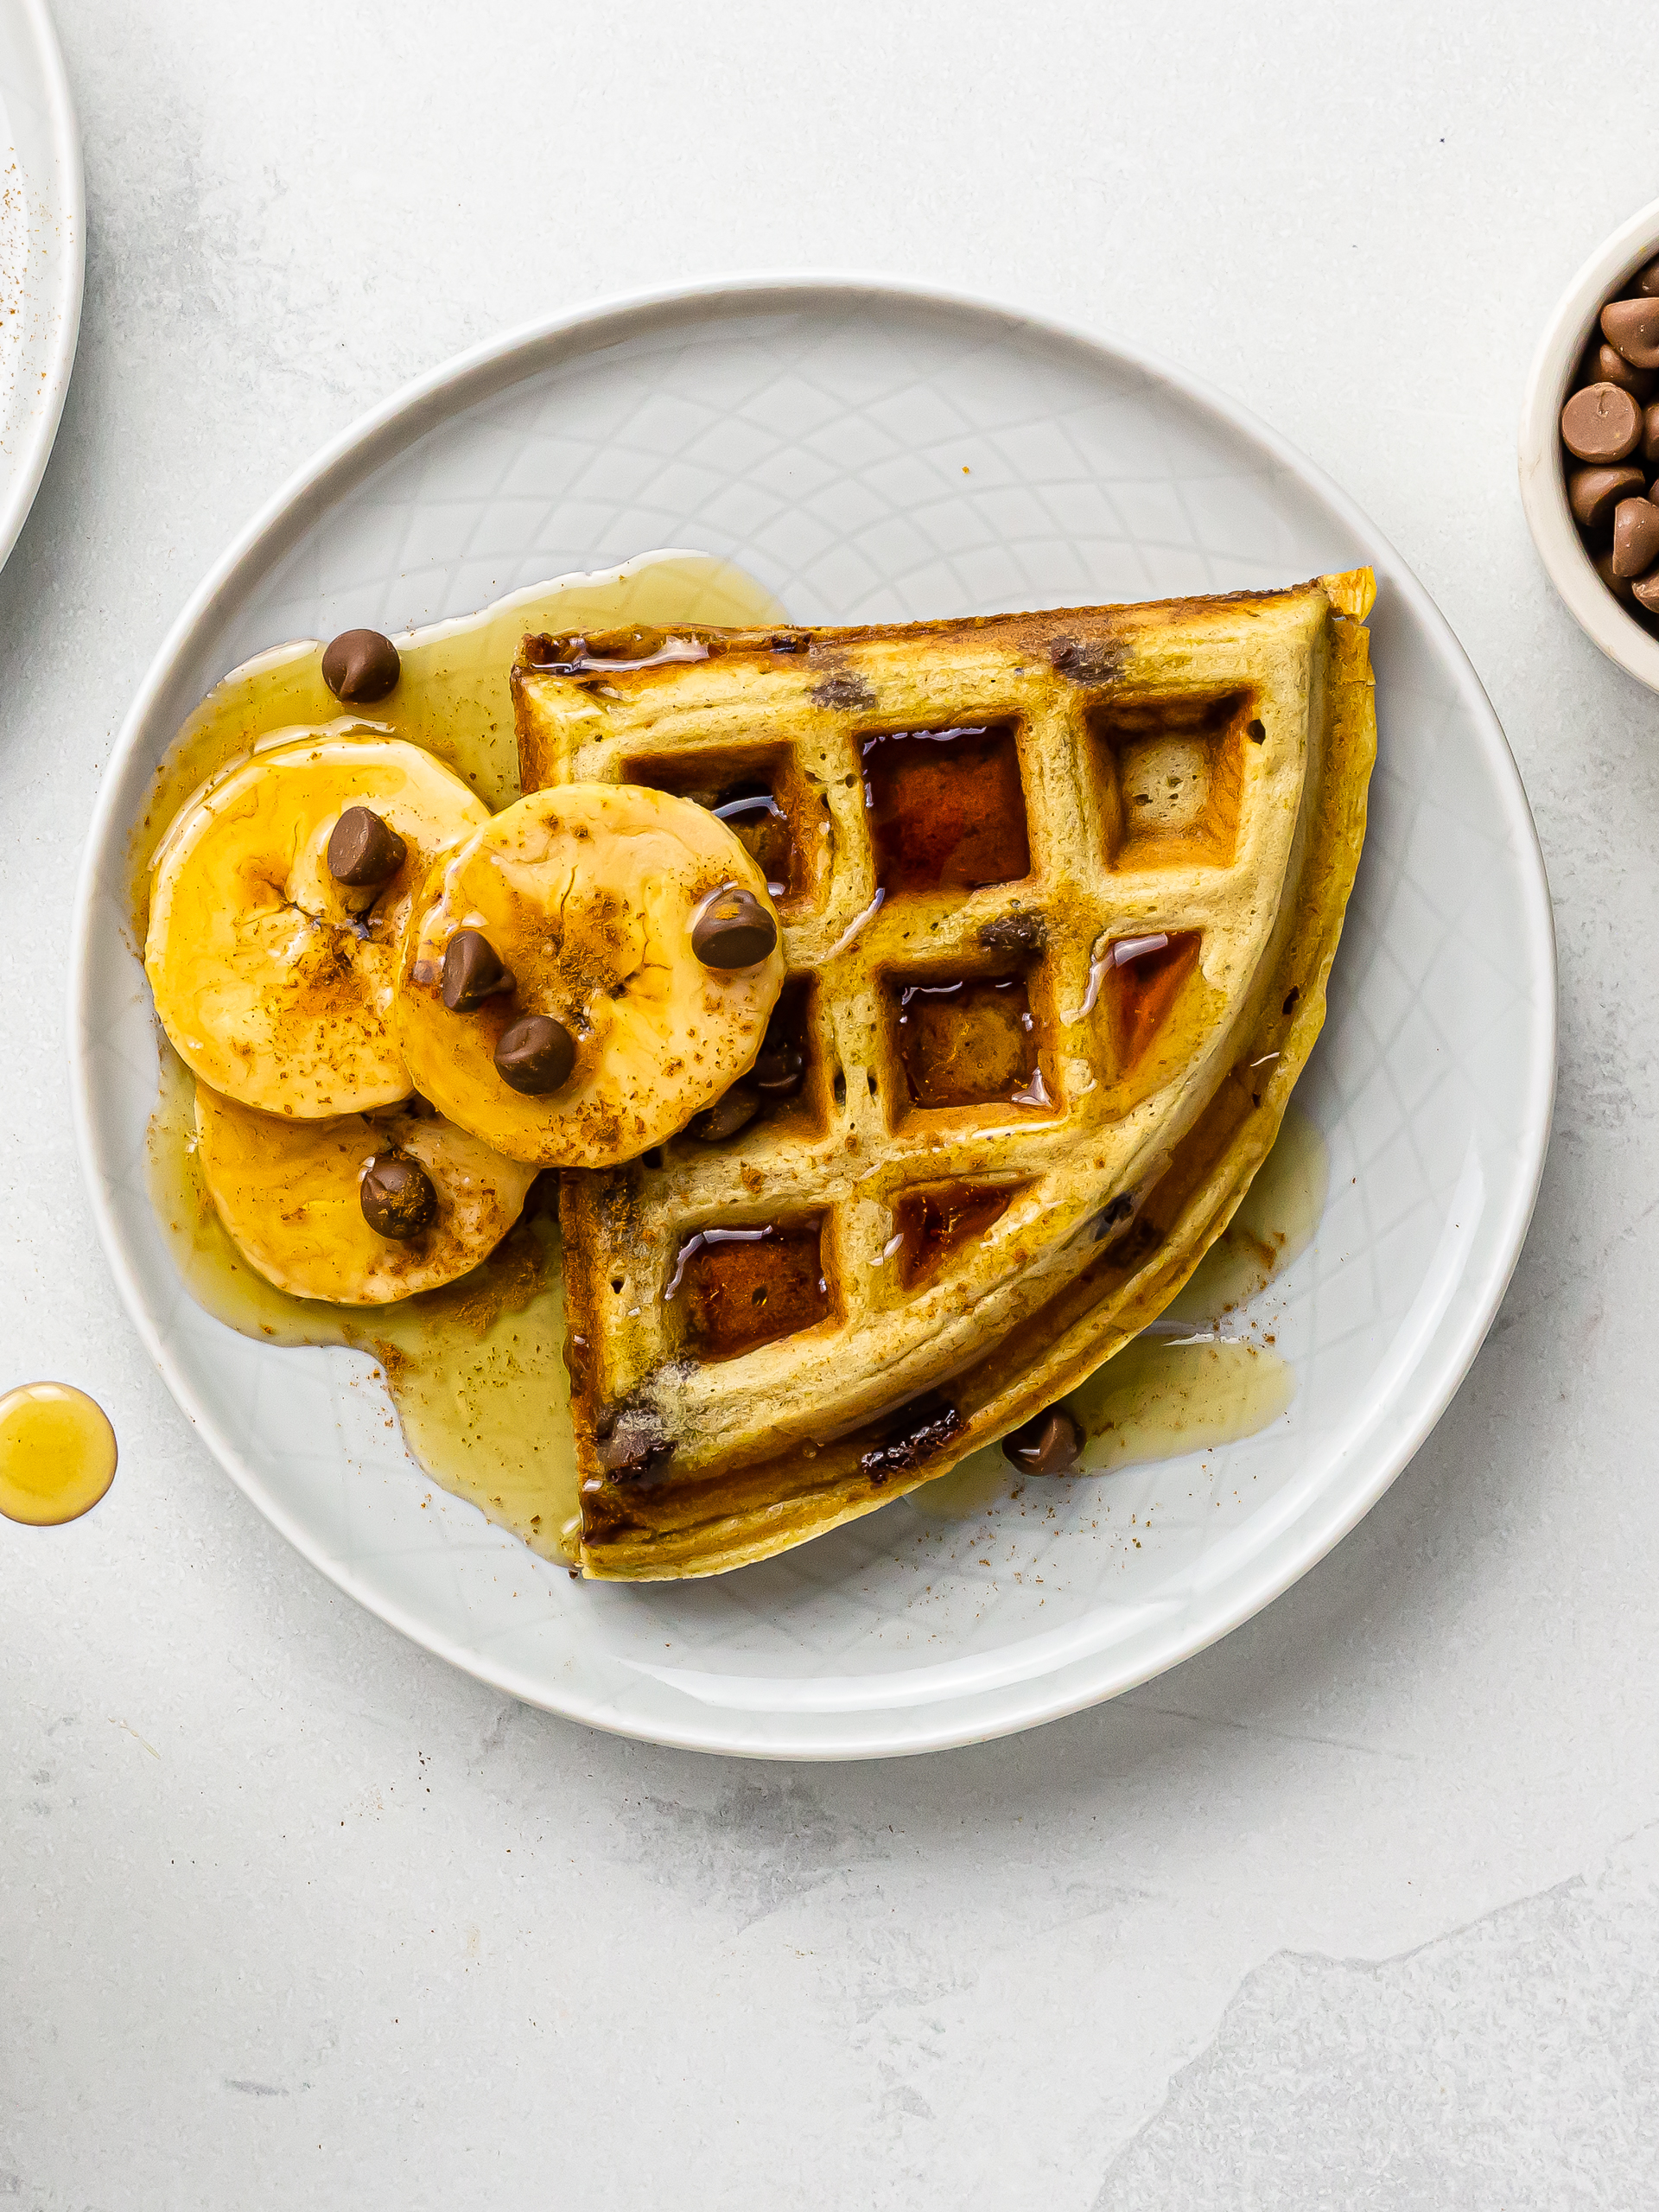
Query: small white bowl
x=1543, y=478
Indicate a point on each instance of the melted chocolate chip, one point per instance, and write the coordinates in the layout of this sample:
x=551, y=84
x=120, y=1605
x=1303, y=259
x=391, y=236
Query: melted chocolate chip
x=732, y=929
x=726, y=1116
x=843, y=695
x=1086, y=660
x=398, y=1198
x=360, y=666
x=779, y=1068
x=363, y=850
x=918, y=1432
x=472, y=972
x=633, y=1445
x=1114, y=1216
x=1015, y=933
x=535, y=1056
x=1049, y=1444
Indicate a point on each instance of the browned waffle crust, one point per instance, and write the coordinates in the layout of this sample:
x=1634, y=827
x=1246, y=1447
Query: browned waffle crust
x=1009, y=1150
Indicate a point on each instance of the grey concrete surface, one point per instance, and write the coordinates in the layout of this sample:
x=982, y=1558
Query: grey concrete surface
x=1357, y=1910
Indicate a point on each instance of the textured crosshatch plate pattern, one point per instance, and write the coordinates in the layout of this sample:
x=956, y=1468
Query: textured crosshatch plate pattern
x=877, y=454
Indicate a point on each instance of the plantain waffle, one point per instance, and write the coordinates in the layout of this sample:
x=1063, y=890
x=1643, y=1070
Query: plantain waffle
x=1060, y=894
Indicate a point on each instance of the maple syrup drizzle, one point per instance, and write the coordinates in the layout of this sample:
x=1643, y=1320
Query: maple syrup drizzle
x=762, y=828
x=930, y=1226
x=57, y=1453
x=946, y=808
x=748, y=1286
x=1186, y=1384
x=1143, y=980
x=476, y=1370
x=746, y=791
x=968, y=1041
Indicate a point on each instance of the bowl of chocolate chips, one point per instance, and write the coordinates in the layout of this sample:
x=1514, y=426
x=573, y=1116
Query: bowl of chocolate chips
x=1589, y=447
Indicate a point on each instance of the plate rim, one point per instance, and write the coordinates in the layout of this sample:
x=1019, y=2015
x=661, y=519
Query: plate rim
x=442, y=389
x=19, y=501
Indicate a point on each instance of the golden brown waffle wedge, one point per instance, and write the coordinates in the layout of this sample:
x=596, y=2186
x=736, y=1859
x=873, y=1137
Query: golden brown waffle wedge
x=1060, y=895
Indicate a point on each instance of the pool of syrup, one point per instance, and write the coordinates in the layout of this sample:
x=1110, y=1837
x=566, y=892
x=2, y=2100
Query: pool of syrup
x=1194, y=1381
x=57, y=1453
x=968, y=1041
x=946, y=808
x=746, y=1287
x=476, y=1370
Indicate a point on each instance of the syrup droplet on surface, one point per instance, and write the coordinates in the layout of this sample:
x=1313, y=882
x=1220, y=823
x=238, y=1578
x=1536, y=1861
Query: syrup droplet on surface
x=57, y=1453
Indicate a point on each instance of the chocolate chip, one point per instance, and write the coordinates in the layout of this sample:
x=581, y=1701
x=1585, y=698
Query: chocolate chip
x=779, y=1068
x=726, y=1116
x=360, y=666
x=1114, y=1216
x=1619, y=586
x=397, y=1196
x=1593, y=493
x=363, y=850
x=1601, y=423
x=915, y=1431
x=1645, y=592
x=1646, y=280
x=1635, y=536
x=1606, y=365
x=1631, y=327
x=1290, y=1002
x=472, y=972
x=535, y=1056
x=1049, y=1444
x=732, y=929
x=1257, y=732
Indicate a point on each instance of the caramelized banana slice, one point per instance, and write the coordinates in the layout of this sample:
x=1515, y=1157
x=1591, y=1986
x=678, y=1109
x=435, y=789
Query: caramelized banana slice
x=273, y=974
x=360, y=1210
x=590, y=970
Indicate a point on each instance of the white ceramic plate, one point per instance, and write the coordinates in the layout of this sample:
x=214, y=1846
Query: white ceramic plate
x=42, y=253
x=875, y=454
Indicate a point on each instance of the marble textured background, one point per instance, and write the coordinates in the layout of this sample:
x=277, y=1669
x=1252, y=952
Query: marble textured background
x=1360, y=1908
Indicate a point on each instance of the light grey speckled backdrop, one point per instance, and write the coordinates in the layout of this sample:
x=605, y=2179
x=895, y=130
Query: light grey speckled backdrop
x=1359, y=1909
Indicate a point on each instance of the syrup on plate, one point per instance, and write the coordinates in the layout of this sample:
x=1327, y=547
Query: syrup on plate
x=57, y=1453
x=476, y=1370
x=1188, y=1383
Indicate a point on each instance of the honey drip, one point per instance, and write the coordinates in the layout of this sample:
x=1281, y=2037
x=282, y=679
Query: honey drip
x=57, y=1453
x=475, y=1370
x=1186, y=1384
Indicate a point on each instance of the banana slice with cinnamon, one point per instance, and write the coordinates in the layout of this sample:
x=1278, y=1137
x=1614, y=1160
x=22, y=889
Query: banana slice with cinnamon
x=278, y=912
x=588, y=971
x=360, y=1209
